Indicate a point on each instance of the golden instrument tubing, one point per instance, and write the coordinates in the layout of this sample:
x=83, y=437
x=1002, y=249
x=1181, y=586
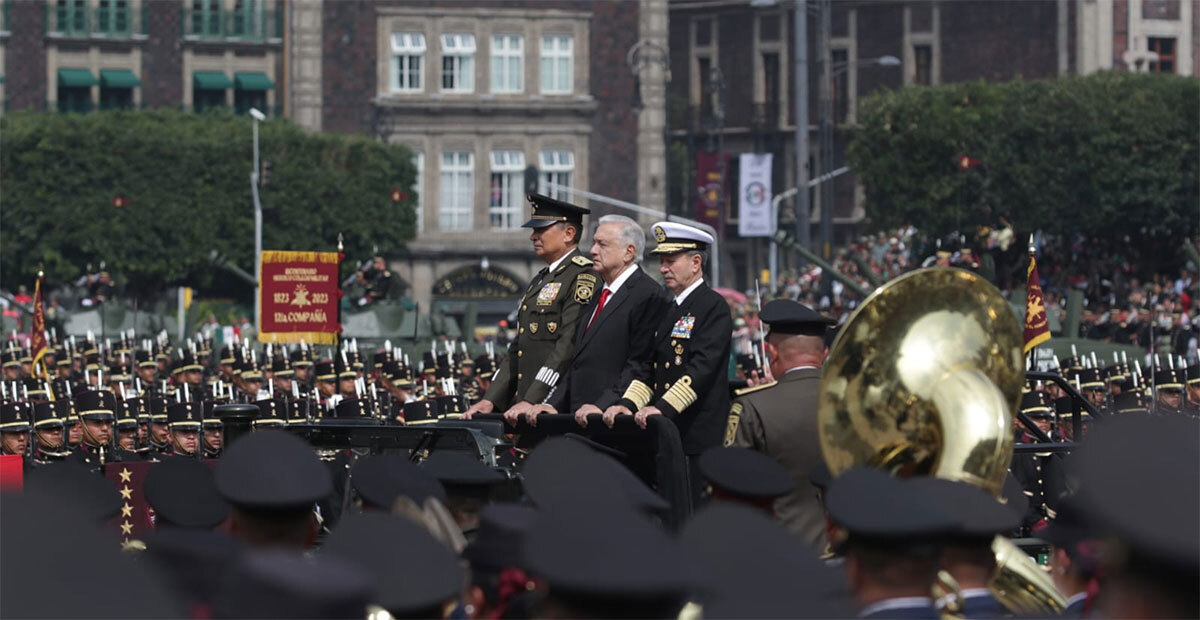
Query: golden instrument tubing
x=923, y=380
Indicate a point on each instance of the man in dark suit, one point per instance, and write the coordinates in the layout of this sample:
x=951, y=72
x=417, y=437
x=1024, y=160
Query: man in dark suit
x=616, y=331
x=688, y=378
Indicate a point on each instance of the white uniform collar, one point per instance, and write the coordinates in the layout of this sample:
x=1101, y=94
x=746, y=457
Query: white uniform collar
x=612, y=288
x=906, y=602
x=679, y=299
x=558, y=262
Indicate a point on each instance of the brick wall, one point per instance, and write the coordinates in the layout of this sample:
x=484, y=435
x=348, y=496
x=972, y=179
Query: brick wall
x=999, y=40
x=1120, y=32
x=25, y=56
x=348, y=66
x=162, y=60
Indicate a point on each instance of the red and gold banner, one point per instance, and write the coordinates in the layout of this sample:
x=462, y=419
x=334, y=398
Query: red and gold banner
x=710, y=188
x=12, y=472
x=299, y=297
x=37, y=336
x=1037, y=329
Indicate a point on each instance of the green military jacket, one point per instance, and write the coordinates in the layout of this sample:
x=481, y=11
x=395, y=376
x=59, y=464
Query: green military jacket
x=780, y=420
x=546, y=324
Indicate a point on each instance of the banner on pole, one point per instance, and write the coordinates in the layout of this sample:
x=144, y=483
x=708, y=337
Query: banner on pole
x=754, y=195
x=709, y=188
x=299, y=297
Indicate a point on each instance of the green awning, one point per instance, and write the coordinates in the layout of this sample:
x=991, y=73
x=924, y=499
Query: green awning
x=212, y=80
x=119, y=78
x=76, y=77
x=252, y=81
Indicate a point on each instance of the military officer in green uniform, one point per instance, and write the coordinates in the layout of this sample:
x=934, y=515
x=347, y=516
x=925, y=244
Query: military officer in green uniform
x=549, y=312
x=779, y=418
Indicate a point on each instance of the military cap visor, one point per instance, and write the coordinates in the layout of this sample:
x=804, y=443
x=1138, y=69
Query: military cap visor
x=182, y=492
x=272, y=470
x=548, y=211
x=745, y=473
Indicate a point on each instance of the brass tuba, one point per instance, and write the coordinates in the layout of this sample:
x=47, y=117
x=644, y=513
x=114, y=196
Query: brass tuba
x=922, y=380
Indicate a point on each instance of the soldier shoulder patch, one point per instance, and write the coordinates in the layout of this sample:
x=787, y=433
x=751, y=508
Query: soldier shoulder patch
x=751, y=390
x=582, y=261
x=584, y=288
x=735, y=416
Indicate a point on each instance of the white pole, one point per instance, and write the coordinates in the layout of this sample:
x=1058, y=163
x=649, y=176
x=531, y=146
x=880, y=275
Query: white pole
x=258, y=222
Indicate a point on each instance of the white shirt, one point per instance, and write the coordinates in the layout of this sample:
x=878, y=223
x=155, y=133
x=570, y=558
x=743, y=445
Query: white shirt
x=679, y=299
x=800, y=368
x=612, y=288
x=558, y=262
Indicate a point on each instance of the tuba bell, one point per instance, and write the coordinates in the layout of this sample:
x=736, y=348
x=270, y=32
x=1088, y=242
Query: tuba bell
x=923, y=380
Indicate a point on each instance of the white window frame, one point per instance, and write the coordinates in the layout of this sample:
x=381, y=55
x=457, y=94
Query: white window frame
x=457, y=190
x=508, y=53
x=419, y=189
x=506, y=189
x=408, y=54
x=557, y=166
x=557, y=64
x=459, y=50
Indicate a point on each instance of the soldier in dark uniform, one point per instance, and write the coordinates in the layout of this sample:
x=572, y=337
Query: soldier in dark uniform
x=147, y=371
x=688, y=380
x=1191, y=401
x=1041, y=474
x=779, y=418
x=183, y=422
x=302, y=363
x=376, y=281
x=48, y=429
x=14, y=428
x=159, y=437
x=549, y=312
x=212, y=431
x=1168, y=391
x=96, y=410
x=126, y=423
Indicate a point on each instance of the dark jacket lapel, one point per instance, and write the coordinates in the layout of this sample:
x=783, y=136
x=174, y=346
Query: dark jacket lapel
x=610, y=307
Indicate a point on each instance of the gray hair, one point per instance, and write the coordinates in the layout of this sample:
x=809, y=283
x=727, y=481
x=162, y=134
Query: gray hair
x=629, y=232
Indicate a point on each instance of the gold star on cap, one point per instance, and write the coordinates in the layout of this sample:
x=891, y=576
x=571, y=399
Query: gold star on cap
x=125, y=475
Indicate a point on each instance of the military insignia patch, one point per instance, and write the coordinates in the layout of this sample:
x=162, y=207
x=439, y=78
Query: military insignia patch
x=552, y=326
x=548, y=293
x=683, y=327
x=582, y=261
x=735, y=416
x=584, y=289
x=660, y=235
x=533, y=328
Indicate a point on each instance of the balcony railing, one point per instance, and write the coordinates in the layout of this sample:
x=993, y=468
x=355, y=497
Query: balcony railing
x=222, y=24
x=111, y=19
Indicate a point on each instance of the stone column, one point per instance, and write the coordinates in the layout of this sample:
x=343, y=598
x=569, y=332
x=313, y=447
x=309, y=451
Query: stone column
x=651, y=151
x=305, y=62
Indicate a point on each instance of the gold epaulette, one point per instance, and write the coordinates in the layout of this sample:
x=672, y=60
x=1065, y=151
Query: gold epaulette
x=582, y=261
x=749, y=390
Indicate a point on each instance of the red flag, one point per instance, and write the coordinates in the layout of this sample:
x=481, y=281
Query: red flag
x=37, y=340
x=966, y=162
x=1037, y=329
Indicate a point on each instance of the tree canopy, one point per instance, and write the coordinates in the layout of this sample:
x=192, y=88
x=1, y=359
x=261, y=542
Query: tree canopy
x=1111, y=155
x=184, y=182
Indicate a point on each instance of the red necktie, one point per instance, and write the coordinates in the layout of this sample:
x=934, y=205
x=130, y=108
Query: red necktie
x=599, y=306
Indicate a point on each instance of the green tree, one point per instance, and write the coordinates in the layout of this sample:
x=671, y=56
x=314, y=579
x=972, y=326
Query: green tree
x=186, y=180
x=1111, y=155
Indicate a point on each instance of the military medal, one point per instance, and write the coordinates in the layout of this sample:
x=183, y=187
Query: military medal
x=683, y=327
x=533, y=328
x=552, y=326
x=548, y=293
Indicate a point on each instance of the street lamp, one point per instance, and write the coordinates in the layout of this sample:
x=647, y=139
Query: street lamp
x=257, y=116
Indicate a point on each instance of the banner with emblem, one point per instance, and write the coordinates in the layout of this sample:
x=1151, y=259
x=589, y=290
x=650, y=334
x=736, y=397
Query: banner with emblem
x=1037, y=328
x=754, y=195
x=37, y=336
x=299, y=297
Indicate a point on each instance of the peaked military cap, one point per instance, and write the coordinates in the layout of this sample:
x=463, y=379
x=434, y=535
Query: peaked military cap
x=500, y=540
x=674, y=237
x=885, y=511
x=272, y=470
x=281, y=368
x=787, y=316
x=282, y=583
x=271, y=413
x=126, y=414
x=1168, y=379
x=183, y=493
x=1035, y=405
x=411, y=570
x=548, y=211
x=301, y=358
x=15, y=417
x=95, y=404
x=420, y=412
x=185, y=415
x=157, y=407
x=976, y=515
x=188, y=361
x=1129, y=402
x=1193, y=374
x=323, y=370
x=379, y=479
x=46, y=416
x=349, y=409
x=1090, y=379
x=744, y=473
